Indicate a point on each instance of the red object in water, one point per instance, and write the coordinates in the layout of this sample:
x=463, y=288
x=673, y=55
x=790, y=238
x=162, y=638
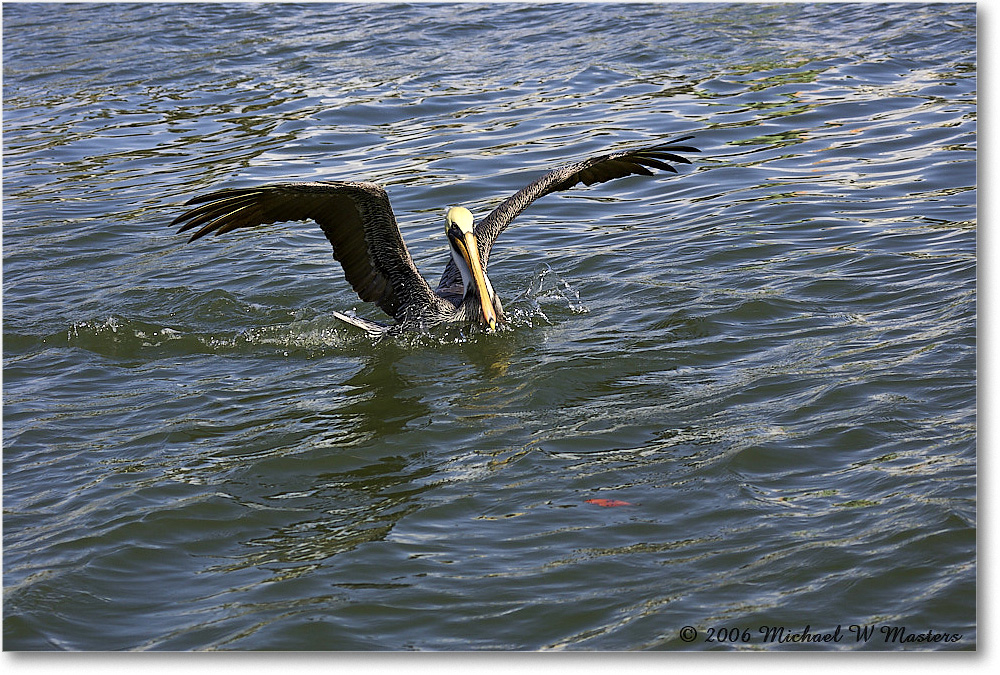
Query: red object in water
x=609, y=502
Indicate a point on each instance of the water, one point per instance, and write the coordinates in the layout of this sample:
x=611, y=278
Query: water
x=769, y=357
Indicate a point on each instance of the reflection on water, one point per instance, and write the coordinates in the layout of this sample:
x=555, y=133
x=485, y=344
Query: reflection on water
x=765, y=365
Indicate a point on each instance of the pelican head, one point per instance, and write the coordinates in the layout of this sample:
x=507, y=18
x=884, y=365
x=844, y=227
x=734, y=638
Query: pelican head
x=465, y=252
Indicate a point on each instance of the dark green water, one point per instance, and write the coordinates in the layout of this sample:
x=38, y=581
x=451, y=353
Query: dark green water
x=771, y=357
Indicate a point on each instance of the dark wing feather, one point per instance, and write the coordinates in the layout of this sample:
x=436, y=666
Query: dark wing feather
x=590, y=171
x=356, y=218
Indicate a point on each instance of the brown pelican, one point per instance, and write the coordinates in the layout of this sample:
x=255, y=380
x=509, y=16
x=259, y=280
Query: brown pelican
x=358, y=220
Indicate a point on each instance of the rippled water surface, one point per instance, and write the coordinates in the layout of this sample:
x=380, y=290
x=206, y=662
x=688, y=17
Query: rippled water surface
x=765, y=363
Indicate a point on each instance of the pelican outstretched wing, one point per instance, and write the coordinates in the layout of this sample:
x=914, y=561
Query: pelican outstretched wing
x=356, y=217
x=590, y=171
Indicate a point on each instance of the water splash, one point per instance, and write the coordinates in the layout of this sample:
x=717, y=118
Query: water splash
x=120, y=336
x=310, y=335
x=125, y=337
x=545, y=288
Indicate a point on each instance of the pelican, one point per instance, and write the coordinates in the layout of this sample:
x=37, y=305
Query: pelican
x=358, y=220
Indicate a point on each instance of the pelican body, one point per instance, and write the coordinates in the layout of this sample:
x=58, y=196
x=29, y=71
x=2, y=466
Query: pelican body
x=359, y=223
